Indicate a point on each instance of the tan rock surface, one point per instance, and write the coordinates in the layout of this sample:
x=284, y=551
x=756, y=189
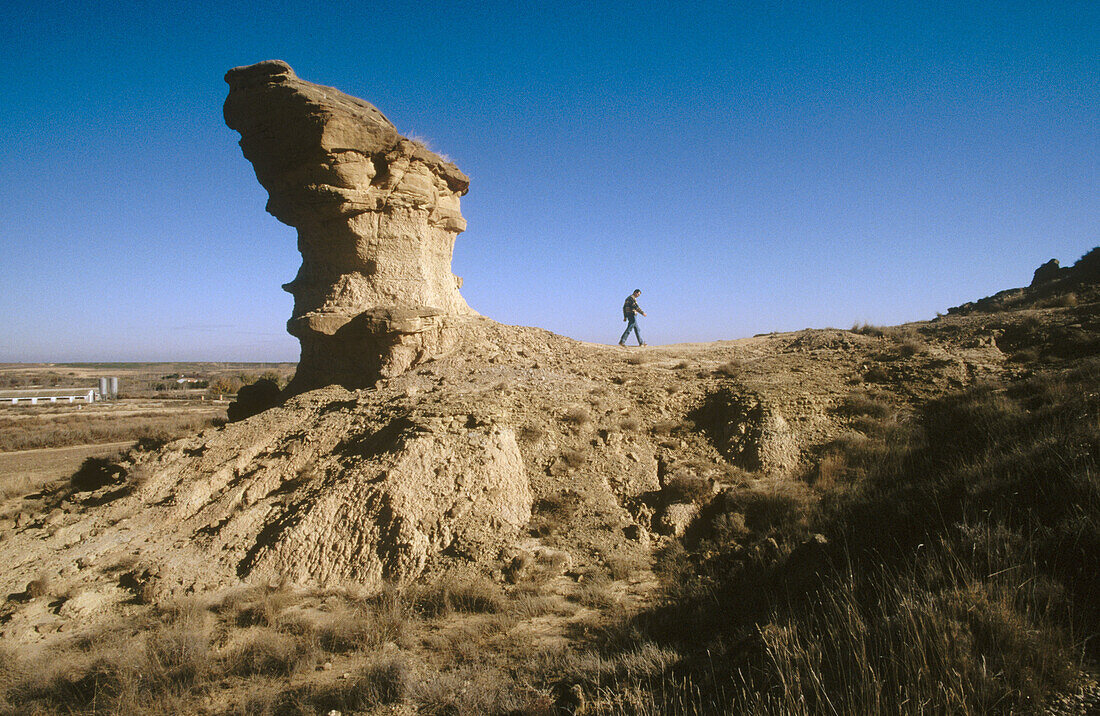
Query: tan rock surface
x=377, y=215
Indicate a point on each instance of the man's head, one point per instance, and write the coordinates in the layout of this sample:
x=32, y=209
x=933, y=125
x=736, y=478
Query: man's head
x=637, y=292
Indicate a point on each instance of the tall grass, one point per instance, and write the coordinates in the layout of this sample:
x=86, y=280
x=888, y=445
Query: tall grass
x=956, y=573
x=31, y=433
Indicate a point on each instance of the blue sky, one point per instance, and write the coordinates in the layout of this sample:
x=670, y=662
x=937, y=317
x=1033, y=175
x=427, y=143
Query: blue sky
x=751, y=166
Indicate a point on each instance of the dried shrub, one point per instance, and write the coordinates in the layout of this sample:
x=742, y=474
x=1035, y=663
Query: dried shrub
x=911, y=346
x=39, y=587
x=264, y=651
x=876, y=374
x=553, y=513
x=366, y=625
x=622, y=566
x=577, y=416
x=531, y=433
x=867, y=329
x=1065, y=300
x=858, y=404
x=730, y=370
x=629, y=424
x=386, y=681
x=465, y=594
x=665, y=427
x=729, y=527
x=687, y=488
x=596, y=592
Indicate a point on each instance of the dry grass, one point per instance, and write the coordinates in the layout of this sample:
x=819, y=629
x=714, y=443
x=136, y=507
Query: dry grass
x=951, y=579
x=729, y=370
x=467, y=595
x=573, y=458
x=687, y=488
x=629, y=424
x=576, y=416
x=867, y=329
x=665, y=427
x=25, y=433
x=553, y=514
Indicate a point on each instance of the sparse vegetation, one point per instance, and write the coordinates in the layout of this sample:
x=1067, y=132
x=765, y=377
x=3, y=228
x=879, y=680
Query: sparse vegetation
x=629, y=424
x=867, y=329
x=951, y=573
x=730, y=369
x=932, y=553
x=27, y=433
x=576, y=416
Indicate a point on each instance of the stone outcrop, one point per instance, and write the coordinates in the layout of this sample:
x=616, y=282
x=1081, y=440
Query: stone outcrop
x=1046, y=273
x=377, y=215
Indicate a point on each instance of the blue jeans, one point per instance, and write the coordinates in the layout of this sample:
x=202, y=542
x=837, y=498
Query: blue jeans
x=632, y=322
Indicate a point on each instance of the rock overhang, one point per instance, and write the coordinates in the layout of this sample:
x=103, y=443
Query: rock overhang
x=377, y=215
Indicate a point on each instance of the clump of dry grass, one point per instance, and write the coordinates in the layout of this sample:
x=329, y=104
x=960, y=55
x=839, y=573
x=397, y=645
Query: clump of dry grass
x=573, y=458
x=576, y=416
x=686, y=487
x=863, y=403
x=469, y=594
x=596, y=591
x=364, y=625
x=532, y=433
x=266, y=651
x=554, y=513
x=40, y=587
x=666, y=427
x=730, y=369
x=868, y=329
x=629, y=424
x=623, y=566
x=1065, y=300
x=876, y=374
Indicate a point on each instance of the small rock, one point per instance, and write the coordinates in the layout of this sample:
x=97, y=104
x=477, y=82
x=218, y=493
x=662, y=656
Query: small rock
x=675, y=519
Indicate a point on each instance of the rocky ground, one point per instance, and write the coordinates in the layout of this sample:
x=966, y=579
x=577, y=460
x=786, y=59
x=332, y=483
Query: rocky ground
x=519, y=448
x=520, y=455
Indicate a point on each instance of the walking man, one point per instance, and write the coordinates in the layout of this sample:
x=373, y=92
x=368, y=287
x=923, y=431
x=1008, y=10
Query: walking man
x=631, y=309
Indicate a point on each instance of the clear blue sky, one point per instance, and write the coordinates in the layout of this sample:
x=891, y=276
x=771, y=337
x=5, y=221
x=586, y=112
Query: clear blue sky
x=751, y=166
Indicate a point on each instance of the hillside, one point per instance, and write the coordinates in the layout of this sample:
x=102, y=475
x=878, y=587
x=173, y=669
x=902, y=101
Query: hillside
x=523, y=457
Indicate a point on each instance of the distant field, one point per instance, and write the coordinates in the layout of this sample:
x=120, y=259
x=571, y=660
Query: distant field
x=27, y=427
x=30, y=470
x=164, y=380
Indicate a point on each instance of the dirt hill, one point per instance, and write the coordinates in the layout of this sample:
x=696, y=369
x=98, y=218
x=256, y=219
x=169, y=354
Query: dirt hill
x=519, y=442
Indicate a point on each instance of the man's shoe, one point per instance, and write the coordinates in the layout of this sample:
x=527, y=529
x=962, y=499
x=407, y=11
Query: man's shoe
x=642, y=345
x=622, y=343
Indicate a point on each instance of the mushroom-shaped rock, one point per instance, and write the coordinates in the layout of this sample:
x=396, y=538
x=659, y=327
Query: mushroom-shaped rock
x=377, y=215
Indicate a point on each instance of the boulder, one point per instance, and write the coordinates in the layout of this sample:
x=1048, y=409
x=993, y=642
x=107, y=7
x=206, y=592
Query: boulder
x=253, y=399
x=1046, y=273
x=674, y=519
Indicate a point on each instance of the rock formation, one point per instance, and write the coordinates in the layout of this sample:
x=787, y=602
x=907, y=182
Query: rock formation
x=377, y=215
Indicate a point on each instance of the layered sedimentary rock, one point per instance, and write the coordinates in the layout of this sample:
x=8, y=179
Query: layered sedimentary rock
x=377, y=215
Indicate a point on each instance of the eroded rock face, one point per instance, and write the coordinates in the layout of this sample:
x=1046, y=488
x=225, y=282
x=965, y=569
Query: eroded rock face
x=377, y=215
